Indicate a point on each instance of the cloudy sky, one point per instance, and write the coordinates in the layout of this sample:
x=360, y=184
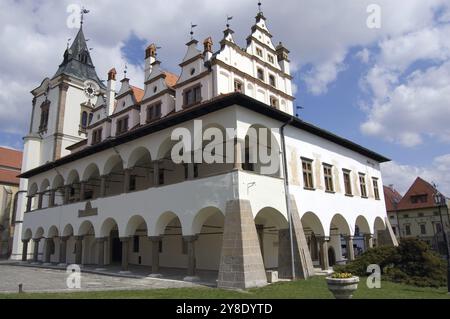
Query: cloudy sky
x=386, y=88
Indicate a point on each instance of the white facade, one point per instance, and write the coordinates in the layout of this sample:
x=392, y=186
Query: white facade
x=127, y=185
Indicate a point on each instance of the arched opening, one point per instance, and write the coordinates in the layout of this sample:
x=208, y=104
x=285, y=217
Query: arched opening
x=339, y=232
x=169, y=172
x=68, y=233
x=110, y=230
x=272, y=230
x=314, y=233
x=73, y=180
x=114, y=176
x=32, y=197
x=362, y=235
x=208, y=225
x=52, y=245
x=261, y=151
x=44, y=194
x=91, y=178
x=87, y=232
x=141, y=175
x=172, y=247
x=140, y=245
x=58, y=188
x=379, y=232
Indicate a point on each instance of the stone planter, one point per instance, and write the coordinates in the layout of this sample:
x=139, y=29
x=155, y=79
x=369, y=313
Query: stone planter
x=343, y=288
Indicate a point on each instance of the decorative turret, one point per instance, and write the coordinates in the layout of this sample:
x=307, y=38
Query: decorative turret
x=150, y=58
x=207, y=48
x=111, y=90
x=283, y=58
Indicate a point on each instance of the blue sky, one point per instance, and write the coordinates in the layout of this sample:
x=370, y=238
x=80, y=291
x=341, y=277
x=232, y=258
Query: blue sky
x=386, y=89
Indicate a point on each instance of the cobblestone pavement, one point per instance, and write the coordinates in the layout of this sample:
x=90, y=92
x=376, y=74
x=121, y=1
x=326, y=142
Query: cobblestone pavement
x=52, y=280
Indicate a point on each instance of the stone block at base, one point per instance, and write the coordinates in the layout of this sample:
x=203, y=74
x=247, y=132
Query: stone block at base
x=272, y=276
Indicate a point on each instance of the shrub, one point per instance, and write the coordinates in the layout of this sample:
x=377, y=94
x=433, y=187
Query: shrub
x=412, y=262
x=341, y=275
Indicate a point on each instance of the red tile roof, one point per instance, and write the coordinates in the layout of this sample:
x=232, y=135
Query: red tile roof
x=391, y=197
x=10, y=166
x=10, y=158
x=171, y=79
x=138, y=93
x=419, y=188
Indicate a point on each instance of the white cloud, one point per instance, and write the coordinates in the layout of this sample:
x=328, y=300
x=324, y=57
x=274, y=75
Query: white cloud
x=402, y=176
x=363, y=55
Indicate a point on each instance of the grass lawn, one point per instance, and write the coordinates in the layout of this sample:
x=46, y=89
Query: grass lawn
x=314, y=288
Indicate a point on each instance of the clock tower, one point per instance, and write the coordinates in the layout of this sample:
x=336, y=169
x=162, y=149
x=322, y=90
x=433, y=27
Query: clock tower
x=61, y=111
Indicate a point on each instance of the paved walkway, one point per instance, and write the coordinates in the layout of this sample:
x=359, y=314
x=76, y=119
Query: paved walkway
x=39, y=279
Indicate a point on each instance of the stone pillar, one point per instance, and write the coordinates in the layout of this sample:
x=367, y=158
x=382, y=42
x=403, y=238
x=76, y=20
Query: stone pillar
x=101, y=251
x=63, y=249
x=303, y=265
x=40, y=200
x=51, y=201
x=29, y=202
x=156, y=173
x=126, y=180
x=82, y=189
x=190, y=167
x=350, y=249
x=36, y=249
x=155, y=253
x=191, y=256
x=323, y=242
x=78, y=249
x=66, y=194
x=241, y=263
x=103, y=185
x=368, y=239
x=237, y=154
x=125, y=243
x=25, y=249
x=47, y=255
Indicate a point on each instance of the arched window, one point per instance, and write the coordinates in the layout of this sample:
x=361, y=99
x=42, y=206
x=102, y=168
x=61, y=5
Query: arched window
x=84, y=119
x=91, y=115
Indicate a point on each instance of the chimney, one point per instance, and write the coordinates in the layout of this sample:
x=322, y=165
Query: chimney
x=207, y=48
x=283, y=60
x=111, y=90
x=150, y=57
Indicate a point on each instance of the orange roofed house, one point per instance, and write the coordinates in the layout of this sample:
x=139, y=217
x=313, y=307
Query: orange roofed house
x=10, y=165
x=416, y=214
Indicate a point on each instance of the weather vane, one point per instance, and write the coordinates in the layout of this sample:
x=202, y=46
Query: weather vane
x=192, y=30
x=259, y=6
x=83, y=12
x=228, y=21
x=125, y=71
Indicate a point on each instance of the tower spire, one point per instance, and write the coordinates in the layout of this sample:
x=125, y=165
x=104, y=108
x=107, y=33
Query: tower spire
x=192, y=30
x=82, y=13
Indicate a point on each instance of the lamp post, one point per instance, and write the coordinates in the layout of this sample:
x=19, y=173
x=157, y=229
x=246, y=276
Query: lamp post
x=439, y=200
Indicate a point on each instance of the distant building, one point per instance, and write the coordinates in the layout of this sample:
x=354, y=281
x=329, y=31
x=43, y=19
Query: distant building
x=416, y=215
x=10, y=165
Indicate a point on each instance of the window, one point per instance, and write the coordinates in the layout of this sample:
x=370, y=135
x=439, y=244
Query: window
x=44, y=116
x=184, y=247
x=375, y=188
x=153, y=112
x=420, y=215
x=259, y=52
x=192, y=96
x=274, y=102
x=407, y=230
x=247, y=165
x=405, y=216
x=423, y=229
x=122, y=125
x=307, y=173
x=394, y=229
x=347, y=182
x=270, y=58
x=238, y=86
x=260, y=74
x=272, y=80
x=328, y=177
x=160, y=246
x=91, y=115
x=438, y=227
x=97, y=136
x=362, y=185
x=84, y=120
x=161, y=177
x=135, y=244
x=419, y=199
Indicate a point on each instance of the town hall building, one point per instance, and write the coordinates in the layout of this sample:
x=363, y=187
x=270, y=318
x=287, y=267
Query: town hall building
x=102, y=187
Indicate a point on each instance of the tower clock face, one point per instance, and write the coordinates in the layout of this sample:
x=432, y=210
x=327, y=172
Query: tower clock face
x=90, y=89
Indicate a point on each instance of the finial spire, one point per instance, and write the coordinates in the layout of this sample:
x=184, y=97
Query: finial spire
x=83, y=12
x=125, y=71
x=259, y=7
x=228, y=21
x=192, y=30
